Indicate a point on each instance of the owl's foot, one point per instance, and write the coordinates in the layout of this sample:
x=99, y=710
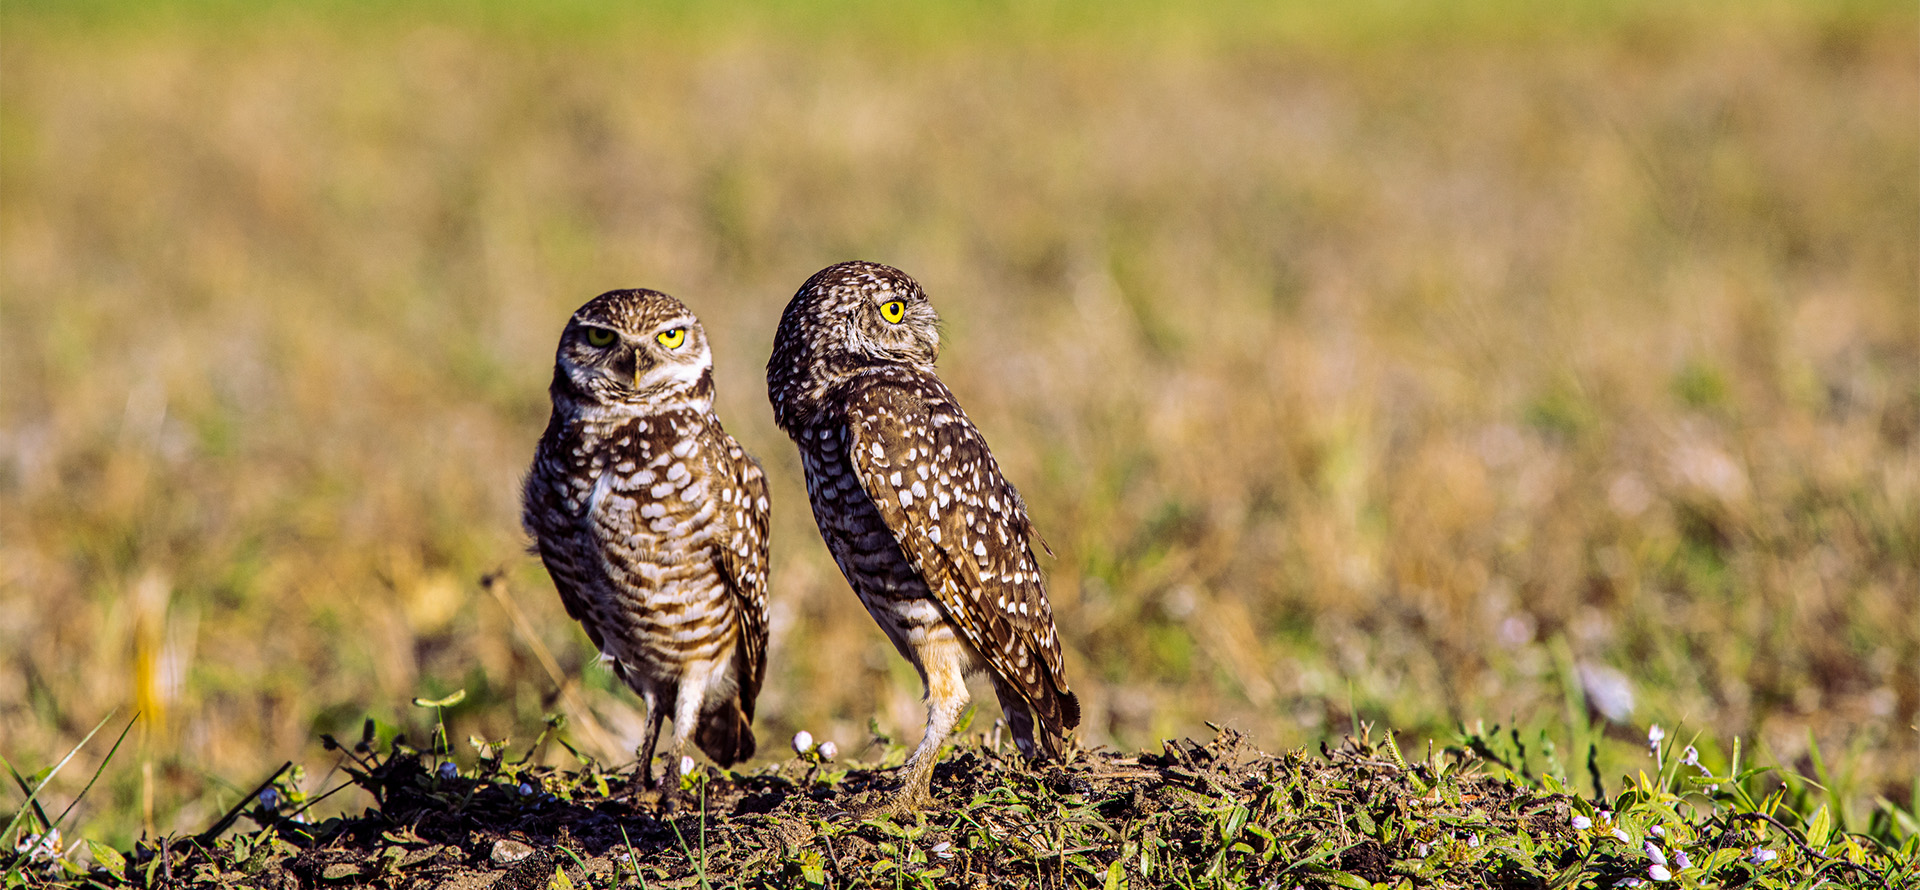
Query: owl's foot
x=915, y=796
x=642, y=781
x=902, y=804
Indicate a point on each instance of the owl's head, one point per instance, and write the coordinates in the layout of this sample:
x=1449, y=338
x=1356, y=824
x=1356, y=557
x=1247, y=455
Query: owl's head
x=849, y=316
x=634, y=348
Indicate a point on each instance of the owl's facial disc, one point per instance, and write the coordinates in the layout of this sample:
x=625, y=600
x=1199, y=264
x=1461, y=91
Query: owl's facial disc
x=671, y=356
x=898, y=325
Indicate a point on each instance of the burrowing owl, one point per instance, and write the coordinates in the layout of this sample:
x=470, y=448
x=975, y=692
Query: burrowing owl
x=653, y=521
x=913, y=506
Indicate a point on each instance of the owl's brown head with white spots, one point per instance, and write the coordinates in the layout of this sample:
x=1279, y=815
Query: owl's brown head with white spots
x=634, y=349
x=847, y=318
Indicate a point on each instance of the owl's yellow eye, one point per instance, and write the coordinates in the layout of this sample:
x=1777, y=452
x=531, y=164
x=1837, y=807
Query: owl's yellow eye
x=600, y=337
x=893, y=311
x=672, y=339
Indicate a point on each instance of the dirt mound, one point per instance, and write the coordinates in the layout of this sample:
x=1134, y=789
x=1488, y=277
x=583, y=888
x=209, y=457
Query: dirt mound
x=1218, y=812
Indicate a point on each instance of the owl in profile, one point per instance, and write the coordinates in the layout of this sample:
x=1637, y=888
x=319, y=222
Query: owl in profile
x=652, y=521
x=914, y=509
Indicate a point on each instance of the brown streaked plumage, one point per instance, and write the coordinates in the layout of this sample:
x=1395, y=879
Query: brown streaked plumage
x=914, y=509
x=652, y=521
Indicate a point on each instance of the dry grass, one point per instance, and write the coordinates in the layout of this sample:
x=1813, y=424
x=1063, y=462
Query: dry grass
x=1395, y=371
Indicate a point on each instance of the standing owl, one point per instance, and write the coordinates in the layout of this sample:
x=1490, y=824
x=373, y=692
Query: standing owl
x=914, y=509
x=653, y=521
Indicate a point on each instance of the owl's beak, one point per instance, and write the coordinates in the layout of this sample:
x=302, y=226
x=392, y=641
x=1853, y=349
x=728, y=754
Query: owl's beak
x=640, y=366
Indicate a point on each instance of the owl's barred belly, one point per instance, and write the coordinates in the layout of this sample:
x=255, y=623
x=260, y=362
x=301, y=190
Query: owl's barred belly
x=664, y=619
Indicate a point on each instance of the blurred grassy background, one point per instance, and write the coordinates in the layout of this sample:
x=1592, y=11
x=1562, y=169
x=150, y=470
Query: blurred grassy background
x=1397, y=362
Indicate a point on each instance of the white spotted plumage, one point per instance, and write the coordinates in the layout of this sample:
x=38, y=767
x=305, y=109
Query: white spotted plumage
x=652, y=521
x=913, y=506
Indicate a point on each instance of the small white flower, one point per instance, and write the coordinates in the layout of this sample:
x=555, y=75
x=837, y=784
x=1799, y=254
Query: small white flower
x=1622, y=836
x=1653, y=853
x=827, y=750
x=1655, y=735
x=1421, y=850
x=1659, y=873
x=40, y=847
x=1606, y=815
x=944, y=850
x=1691, y=756
x=686, y=765
x=1473, y=840
x=802, y=742
x=1660, y=830
x=1582, y=823
x=1761, y=856
x=1680, y=859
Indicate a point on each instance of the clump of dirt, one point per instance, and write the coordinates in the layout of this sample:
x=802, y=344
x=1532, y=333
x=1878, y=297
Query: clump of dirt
x=1219, y=812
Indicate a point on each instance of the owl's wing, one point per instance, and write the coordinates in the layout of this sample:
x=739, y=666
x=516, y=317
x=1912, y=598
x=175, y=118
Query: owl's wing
x=965, y=529
x=549, y=517
x=742, y=556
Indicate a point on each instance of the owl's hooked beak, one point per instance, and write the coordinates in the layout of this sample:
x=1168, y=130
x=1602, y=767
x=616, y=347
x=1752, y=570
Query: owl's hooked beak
x=641, y=365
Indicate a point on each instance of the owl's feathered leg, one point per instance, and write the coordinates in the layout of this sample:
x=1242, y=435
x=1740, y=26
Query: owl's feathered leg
x=687, y=701
x=943, y=664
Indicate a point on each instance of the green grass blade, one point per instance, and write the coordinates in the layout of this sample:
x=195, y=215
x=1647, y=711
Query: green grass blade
x=34, y=795
x=98, y=770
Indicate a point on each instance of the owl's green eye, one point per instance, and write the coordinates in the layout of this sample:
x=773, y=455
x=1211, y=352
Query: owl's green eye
x=672, y=339
x=893, y=311
x=600, y=337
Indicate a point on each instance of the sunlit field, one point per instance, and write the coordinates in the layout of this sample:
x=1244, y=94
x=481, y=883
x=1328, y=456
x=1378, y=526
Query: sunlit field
x=1366, y=367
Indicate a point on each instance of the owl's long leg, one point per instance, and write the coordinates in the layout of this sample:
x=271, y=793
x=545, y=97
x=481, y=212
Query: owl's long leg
x=656, y=715
x=943, y=665
x=687, y=699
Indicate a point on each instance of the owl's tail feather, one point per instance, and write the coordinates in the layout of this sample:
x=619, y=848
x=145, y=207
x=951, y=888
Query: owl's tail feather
x=1039, y=721
x=1058, y=714
x=725, y=734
